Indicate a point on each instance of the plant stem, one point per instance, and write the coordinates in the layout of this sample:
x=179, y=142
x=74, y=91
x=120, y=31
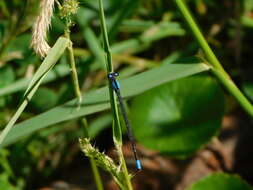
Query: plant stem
x=96, y=174
x=217, y=69
x=198, y=34
x=232, y=88
x=74, y=75
x=117, y=135
x=78, y=94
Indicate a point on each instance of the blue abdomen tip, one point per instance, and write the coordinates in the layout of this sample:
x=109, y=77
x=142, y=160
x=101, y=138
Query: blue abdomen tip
x=138, y=164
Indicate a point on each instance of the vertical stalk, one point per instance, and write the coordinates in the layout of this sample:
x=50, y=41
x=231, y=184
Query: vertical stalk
x=198, y=34
x=96, y=174
x=78, y=94
x=117, y=128
x=117, y=135
x=74, y=75
x=217, y=69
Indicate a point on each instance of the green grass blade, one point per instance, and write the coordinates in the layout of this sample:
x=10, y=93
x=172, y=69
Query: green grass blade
x=133, y=45
x=51, y=59
x=58, y=72
x=98, y=100
x=135, y=26
x=45, y=67
x=155, y=33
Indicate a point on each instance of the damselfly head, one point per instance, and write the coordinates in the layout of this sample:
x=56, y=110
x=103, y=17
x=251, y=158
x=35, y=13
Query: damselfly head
x=113, y=75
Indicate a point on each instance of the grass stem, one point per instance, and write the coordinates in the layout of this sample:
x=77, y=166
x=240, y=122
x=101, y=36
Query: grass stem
x=78, y=94
x=71, y=59
x=117, y=134
x=217, y=69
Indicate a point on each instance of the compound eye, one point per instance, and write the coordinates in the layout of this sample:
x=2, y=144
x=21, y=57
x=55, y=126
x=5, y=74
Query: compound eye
x=115, y=74
x=110, y=76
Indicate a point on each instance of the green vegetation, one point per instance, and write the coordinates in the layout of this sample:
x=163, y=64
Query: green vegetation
x=179, y=80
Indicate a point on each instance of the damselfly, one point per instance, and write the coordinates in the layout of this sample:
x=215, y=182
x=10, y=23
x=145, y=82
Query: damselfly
x=116, y=88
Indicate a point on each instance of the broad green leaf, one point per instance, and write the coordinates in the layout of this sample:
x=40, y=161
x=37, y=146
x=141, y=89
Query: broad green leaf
x=220, y=181
x=177, y=118
x=48, y=63
x=98, y=100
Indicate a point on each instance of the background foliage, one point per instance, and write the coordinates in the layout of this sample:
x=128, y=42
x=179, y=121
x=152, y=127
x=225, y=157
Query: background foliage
x=172, y=115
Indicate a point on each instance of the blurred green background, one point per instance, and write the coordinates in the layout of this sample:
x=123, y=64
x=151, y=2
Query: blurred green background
x=171, y=122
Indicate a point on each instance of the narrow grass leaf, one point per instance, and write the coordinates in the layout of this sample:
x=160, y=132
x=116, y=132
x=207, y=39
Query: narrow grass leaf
x=58, y=72
x=133, y=45
x=45, y=67
x=98, y=100
x=155, y=33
